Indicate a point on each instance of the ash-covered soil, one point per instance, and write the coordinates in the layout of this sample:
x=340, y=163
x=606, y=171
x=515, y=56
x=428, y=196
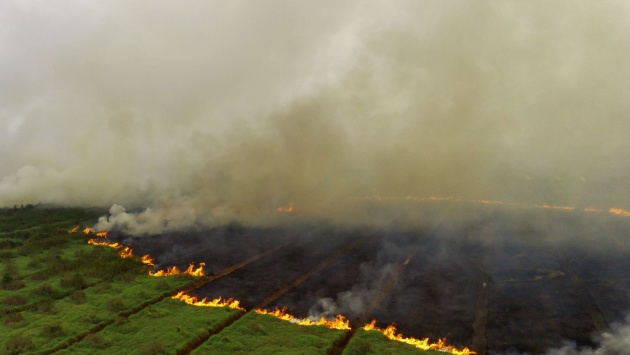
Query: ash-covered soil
x=508, y=281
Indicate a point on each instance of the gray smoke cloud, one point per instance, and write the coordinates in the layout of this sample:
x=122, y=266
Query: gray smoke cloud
x=616, y=341
x=211, y=112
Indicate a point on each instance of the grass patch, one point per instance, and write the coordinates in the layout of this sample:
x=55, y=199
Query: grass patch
x=168, y=324
x=374, y=342
x=265, y=334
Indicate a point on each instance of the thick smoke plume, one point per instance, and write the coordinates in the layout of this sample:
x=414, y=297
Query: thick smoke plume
x=212, y=112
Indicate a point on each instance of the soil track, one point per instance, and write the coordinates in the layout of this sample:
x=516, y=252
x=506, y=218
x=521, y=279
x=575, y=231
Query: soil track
x=505, y=282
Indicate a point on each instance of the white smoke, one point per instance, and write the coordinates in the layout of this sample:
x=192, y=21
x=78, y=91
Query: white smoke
x=209, y=112
x=614, y=342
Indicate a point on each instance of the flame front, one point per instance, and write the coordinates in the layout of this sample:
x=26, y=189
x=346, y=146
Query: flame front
x=390, y=333
x=147, y=260
x=173, y=270
x=217, y=302
x=340, y=322
x=619, y=212
x=286, y=209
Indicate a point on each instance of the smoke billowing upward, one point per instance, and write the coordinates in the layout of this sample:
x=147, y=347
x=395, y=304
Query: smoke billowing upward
x=212, y=112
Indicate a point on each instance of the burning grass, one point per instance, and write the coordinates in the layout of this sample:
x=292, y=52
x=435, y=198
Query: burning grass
x=339, y=323
x=372, y=342
x=60, y=287
x=423, y=344
x=267, y=334
x=65, y=287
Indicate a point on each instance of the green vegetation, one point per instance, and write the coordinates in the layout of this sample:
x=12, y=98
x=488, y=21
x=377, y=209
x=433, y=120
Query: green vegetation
x=60, y=294
x=169, y=324
x=266, y=334
x=56, y=288
x=374, y=342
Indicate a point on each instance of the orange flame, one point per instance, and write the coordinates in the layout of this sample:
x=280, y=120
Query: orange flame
x=390, y=332
x=619, y=212
x=173, y=270
x=565, y=208
x=102, y=234
x=339, y=322
x=286, y=209
x=217, y=302
x=615, y=211
x=591, y=209
x=87, y=230
x=74, y=230
x=147, y=260
x=125, y=252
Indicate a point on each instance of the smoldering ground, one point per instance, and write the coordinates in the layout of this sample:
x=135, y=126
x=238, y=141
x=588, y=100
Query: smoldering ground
x=506, y=283
x=210, y=113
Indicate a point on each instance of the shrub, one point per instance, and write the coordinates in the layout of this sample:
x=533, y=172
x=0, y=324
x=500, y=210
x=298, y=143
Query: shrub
x=7, y=254
x=78, y=296
x=73, y=281
x=162, y=284
x=45, y=290
x=11, y=284
x=34, y=264
x=115, y=305
x=13, y=318
x=152, y=348
x=53, y=330
x=97, y=341
x=14, y=300
x=46, y=306
x=18, y=344
x=90, y=318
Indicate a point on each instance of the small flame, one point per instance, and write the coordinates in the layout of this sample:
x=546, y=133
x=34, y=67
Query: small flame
x=195, y=272
x=74, y=230
x=390, y=332
x=591, y=209
x=125, y=252
x=147, y=260
x=173, y=270
x=340, y=322
x=87, y=230
x=554, y=207
x=619, y=212
x=101, y=234
x=217, y=302
x=286, y=209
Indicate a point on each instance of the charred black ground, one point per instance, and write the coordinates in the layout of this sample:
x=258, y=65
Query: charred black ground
x=509, y=281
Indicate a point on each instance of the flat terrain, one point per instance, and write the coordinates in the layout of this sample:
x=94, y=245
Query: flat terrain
x=508, y=280
x=62, y=295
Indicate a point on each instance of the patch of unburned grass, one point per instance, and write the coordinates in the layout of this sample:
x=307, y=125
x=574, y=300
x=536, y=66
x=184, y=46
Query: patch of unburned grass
x=266, y=334
x=169, y=324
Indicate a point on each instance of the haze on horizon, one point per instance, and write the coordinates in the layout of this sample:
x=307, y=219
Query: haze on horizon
x=211, y=112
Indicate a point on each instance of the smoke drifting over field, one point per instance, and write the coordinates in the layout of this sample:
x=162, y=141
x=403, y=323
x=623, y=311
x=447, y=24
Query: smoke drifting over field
x=210, y=112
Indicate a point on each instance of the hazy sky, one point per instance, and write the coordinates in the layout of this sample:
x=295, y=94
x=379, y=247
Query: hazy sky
x=221, y=110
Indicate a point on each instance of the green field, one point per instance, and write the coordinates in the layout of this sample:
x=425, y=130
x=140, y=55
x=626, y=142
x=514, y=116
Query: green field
x=61, y=295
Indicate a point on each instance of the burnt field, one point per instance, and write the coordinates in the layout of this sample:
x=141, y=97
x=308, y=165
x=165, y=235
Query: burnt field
x=509, y=281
